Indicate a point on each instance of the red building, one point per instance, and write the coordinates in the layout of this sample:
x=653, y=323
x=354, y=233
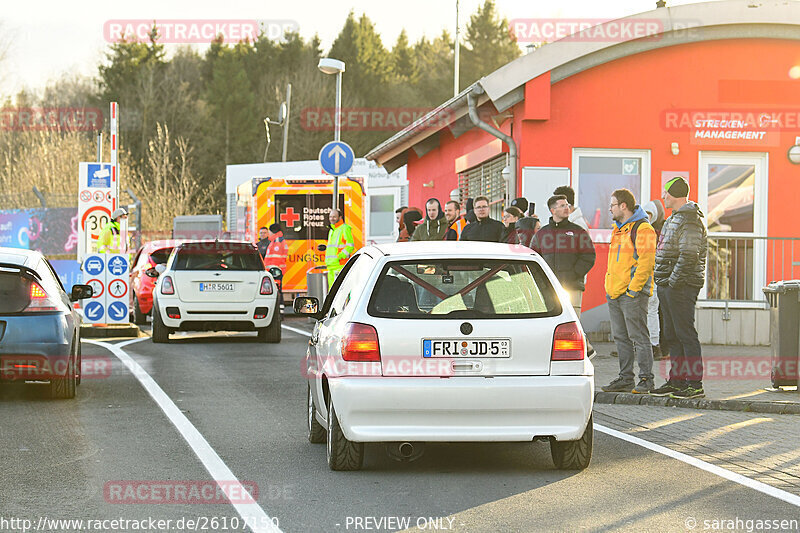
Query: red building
x=713, y=94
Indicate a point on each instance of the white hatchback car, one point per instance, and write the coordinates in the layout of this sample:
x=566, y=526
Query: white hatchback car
x=447, y=341
x=215, y=286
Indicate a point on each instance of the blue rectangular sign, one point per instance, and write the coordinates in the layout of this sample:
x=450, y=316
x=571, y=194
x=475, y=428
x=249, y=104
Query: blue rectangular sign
x=98, y=175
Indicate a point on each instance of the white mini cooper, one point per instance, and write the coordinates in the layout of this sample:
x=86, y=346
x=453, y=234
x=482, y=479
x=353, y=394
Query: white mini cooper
x=215, y=286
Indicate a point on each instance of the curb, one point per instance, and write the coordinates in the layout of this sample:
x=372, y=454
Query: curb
x=625, y=398
x=96, y=332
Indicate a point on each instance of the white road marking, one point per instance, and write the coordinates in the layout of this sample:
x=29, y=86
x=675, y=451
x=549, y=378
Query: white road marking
x=702, y=465
x=296, y=330
x=252, y=513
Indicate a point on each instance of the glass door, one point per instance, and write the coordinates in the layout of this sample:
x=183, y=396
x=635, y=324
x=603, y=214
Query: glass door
x=732, y=195
x=381, y=225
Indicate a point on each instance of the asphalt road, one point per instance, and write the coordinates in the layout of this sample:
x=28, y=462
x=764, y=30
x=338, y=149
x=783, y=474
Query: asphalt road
x=61, y=459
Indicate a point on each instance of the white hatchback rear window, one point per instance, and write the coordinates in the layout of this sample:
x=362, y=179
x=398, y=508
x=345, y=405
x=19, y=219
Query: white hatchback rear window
x=464, y=289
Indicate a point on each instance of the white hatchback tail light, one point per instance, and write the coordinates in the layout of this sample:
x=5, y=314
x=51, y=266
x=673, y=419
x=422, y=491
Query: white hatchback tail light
x=41, y=301
x=266, y=285
x=360, y=343
x=167, y=286
x=568, y=343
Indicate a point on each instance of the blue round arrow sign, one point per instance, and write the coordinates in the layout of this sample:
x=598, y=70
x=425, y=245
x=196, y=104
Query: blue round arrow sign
x=93, y=311
x=336, y=158
x=118, y=312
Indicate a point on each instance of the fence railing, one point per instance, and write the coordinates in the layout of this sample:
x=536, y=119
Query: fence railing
x=738, y=267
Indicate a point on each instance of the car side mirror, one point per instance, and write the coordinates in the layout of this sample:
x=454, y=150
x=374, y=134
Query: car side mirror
x=81, y=292
x=307, y=305
x=275, y=272
x=151, y=272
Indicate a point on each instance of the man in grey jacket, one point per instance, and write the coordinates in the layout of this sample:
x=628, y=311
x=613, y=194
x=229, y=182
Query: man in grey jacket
x=680, y=273
x=435, y=225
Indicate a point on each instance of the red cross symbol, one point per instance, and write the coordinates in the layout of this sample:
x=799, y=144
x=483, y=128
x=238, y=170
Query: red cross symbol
x=290, y=217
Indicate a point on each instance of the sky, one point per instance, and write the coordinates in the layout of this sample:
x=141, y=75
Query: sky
x=48, y=39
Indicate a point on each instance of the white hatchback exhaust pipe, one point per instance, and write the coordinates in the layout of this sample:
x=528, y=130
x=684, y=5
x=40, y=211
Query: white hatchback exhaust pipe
x=405, y=451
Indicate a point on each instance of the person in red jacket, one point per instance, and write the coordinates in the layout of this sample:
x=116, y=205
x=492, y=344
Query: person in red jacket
x=277, y=251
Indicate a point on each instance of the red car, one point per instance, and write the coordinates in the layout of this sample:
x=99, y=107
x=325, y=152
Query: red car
x=148, y=256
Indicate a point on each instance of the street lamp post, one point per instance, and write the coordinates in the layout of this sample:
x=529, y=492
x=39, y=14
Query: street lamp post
x=334, y=66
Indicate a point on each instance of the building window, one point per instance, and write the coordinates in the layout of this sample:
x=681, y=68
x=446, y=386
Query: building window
x=485, y=180
x=598, y=173
x=381, y=215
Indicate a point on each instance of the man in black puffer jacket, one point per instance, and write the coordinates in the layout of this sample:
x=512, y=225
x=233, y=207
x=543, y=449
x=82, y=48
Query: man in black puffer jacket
x=680, y=273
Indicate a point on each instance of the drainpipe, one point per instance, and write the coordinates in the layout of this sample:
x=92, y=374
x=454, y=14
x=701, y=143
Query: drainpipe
x=511, y=190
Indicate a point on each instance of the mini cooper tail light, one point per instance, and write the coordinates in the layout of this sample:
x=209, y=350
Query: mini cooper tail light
x=167, y=287
x=568, y=343
x=266, y=285
x=360, y=343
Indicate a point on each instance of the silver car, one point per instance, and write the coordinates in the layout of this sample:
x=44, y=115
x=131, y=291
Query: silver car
x=447, y=341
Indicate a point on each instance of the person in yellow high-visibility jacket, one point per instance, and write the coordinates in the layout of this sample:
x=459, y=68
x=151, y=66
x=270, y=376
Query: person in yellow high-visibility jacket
x=340, y=245
x=110, y=240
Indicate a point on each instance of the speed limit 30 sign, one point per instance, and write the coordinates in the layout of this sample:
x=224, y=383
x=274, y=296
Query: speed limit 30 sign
x=94, y=219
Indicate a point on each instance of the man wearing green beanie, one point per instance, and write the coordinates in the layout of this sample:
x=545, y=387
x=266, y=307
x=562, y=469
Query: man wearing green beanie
x=680, y=273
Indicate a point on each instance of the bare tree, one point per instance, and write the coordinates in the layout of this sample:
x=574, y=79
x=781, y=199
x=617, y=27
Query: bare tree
x=45, y=159
x=167, y=185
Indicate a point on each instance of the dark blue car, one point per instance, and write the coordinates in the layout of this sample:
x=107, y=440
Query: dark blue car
x=39, y=329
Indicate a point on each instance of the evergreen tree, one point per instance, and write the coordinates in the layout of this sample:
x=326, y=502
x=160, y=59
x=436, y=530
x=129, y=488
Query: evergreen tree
x=367, y=62
x=132, y=78
x=230, y=98
x=435, y=64
x=488, y=46
x=404, y=62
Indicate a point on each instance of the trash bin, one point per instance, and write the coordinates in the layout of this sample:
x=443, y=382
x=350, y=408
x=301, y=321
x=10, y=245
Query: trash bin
x=317, y=283
x=784, y=330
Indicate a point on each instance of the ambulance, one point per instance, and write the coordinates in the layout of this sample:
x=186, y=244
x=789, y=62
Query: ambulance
x=300, y=205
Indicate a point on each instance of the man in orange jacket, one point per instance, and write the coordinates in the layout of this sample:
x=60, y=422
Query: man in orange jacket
x=452, y=212
x=629, y=284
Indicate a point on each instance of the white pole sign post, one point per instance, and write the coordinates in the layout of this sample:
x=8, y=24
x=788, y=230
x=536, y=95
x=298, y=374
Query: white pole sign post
x=123, y=229
x=94, y=204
